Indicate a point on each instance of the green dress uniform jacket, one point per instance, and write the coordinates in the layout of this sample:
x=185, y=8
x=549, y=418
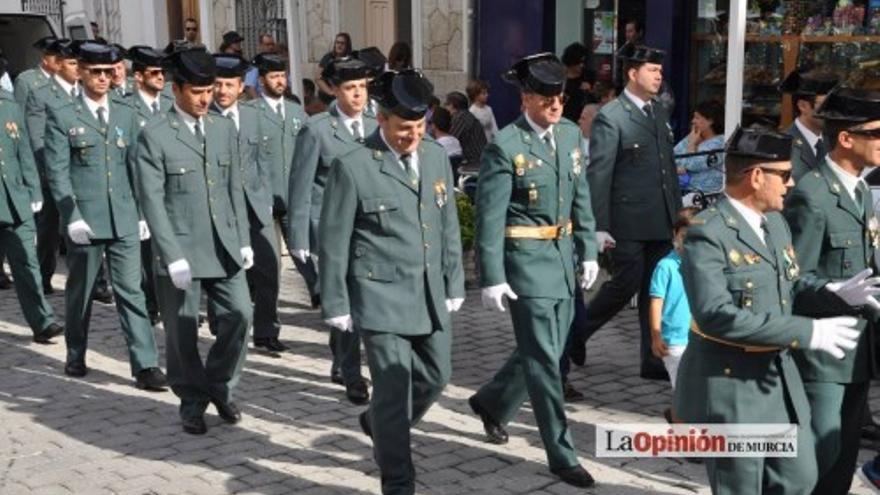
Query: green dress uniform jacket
x=50, y=95
x=737, y=367
x=632, y=175
x=19, y=187
x=523, y=183
x=145, y=114
x=27, y=82
x=803, y=156
x=835, y=238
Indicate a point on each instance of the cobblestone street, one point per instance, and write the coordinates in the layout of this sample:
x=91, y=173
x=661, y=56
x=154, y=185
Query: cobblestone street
x=100, y=435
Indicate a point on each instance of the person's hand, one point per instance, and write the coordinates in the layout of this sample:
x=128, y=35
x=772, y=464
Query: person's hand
x=454, y=304
x=36, y=206
x=342, y=323
x=694, y=139
x=604, y=241
x=180, y=273
x=143, y=230
x=588, y=274
x=858, y=290
x=302, y=255
x=247, y=257
x=493, y=297
x=80, y=232
x=658, y=347
x=835, y=335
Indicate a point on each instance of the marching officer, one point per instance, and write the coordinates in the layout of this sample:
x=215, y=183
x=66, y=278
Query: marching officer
x=20, y=198
x=324, y=137
x=390, y=266
x=836, y=234
x=88, y=143
x=191, y=196
x=741, y=275
x=32, y=79
x=62, y=89
x=534, y=220
x=149, y=101
x=808, y=90
x=263, y=277
x=636, y=197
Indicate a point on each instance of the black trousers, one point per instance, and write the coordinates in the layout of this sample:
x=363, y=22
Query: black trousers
x=634, y=263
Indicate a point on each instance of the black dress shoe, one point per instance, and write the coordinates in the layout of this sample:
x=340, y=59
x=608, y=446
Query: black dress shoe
x=195, y=425
x=151, y=379
x=571, y=394
x=103, y=295
x=227, y=411
x=654, y=374
x=316, y=301
x=155, y=319
x=336, y=377
x=364, y=421
x=75, y=369
x=494, y=432
x=577, y=353
x=575, y=476
x=48, y=290
x=5, y=281
x=46, y=335
x=358, y=392
x=269, y=347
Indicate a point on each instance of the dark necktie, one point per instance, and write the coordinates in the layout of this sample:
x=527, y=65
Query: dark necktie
x=73, y=92
x=197, y=130
x=768, y=239
x=548, y=140
x=155, y=107
x=280, y=110
x=649, y=110
x=820, y=149
x=356, y=131
x=410, y=170
x=101, y=118
x=861, y=196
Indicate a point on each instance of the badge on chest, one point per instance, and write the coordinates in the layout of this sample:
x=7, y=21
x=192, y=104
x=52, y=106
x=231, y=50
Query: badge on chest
x=12, y=130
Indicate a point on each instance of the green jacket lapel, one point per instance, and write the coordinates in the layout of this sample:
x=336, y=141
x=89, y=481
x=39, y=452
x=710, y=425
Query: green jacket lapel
x=340, y=132
x=844, y=201
x=270, y=113
x=744, y=232
x=388, y=162
x=636, y=114
x=85, y=115
x=184, y=135
x=536, y=145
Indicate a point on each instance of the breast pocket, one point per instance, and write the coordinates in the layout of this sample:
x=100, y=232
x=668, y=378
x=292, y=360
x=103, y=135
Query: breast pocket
x=84, y=149
x=181, y=177
x=846, y=254
x=750, y=289
x=223, y=164
x=379, y=213
x=633, y=151
x=532, y=191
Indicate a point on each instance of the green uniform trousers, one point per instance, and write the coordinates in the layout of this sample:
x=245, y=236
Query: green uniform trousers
x=541, y=327
x=836, y=422
x=17, y=241
x=48, y=237
x=148, y=284
x=263, y=279
x=124, y=260
x=229, y=305
x=409, y=372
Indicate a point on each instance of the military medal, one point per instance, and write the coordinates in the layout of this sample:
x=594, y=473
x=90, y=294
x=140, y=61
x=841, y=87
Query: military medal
x=751, y=258
x=836, y=188
x=874, y=232
x=735, y=257
x=120, y=143
x=519, y=163
x=440, y=196
x=12, y=130
x=576, y=161
x=533, y=196
x=792, y=270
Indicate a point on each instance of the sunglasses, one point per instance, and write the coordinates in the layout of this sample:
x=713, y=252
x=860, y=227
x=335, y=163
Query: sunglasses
x=868, y=133
x=191, y=29
x=547, y=101
x=785, y=175
x=153, y=72
x=97, y=71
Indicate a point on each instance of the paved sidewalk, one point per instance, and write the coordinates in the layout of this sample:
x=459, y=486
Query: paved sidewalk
x=100, y=435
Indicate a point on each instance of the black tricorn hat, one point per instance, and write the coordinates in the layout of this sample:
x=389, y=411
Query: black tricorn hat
x=345, y=69
x=43, y=43
x=231, y=37
x=640, y=53
x=406, y=93
x=145, y=56
x=759, y=143
x=809, y=82
x=269, y=62
x=857, y=99
x=178, y=45
x=63, y=48
x=542, y=73
x=230, y=65
x=97, y=53
x=374, y=59
x=194, y=66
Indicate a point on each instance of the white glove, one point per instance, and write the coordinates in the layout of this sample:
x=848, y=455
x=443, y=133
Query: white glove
x=493, y=297
x=604, y=241
x=454, y=304
x=343, y=322
x=36, y=206
x=143, y=230
x=589, y=272
x=858, y=290
x=247, y=257
x=181, y=275
x=834, y=335
x=79, y=232
x=301, y=254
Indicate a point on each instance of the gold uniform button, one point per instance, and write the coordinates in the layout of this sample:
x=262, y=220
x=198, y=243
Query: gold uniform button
x=369, y=274
x=427, y=245
x=727, y=371
x=749, y=285
x=795, y=344
x=784, y=302
x=109, y=174
x=381, y=207
x=106, y=142
x=110, y=189
x=183, y=170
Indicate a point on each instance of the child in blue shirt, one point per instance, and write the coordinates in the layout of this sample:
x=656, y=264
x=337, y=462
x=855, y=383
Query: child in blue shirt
x=669, y=315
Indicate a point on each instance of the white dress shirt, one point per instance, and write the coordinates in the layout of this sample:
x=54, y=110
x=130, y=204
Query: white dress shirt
x=347, y=121
x=233, y=109
x=638, y=101
x=149, y=100
x=273, y=103
x=93, y=107
x=849, y=181
x=753, y=218
x=189, y=120
x=540, y=131
x=413, y=160
x=66, y=86
x=811, y=137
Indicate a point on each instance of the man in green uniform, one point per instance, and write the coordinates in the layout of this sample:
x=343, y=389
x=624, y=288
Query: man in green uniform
x=191, y=196
x=278, y=124
x=808, y=90
x=149, y=101
x=390, y=266
x=636, y=197
x=836, y=234
x=534, y=222
x=741, y=275
x=31, y=79
x=324, y=137
x=88, y=147
x=263, y=277
x=20, y=198
x=60, y=90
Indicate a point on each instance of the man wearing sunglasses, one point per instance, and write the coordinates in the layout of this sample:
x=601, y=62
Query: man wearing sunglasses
x=835, y=235
x=88, y=143
x=634, y=186
x=534, y=220
x=808, y=90
x=742, y=275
